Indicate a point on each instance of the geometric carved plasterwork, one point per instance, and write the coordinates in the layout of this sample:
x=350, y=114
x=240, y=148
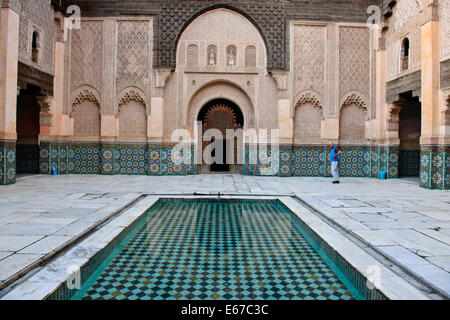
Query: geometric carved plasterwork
x=37, y=15
x=354, y=60
x=133, y=54
x=268, y=17
x=87, y=55
x=404, y=11
x=444, y=19
x=405, y=22
x=309, y=58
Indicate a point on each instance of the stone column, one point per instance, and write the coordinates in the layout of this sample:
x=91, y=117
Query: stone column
x=330, y=130
x=380, y=89
x=9, y=50
x=285, y=121
x=430, y=74
x=156, y=118
x=434, y=153
x=61, y=121
x=45, y=115
x=285, y=114
x=434, y=164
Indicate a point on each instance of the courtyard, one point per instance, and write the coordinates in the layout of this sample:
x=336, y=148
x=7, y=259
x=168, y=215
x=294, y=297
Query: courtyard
x=408, y=226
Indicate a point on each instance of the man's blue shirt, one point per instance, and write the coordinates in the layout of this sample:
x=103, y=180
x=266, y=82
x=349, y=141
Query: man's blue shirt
x=333, y=153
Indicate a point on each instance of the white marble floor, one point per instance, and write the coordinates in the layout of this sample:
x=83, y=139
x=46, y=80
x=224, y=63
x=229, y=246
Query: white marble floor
x=40, y=214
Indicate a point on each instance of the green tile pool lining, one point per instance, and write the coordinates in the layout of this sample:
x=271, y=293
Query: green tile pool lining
x=355, y=279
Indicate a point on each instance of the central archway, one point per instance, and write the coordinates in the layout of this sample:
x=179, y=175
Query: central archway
x=222, y=115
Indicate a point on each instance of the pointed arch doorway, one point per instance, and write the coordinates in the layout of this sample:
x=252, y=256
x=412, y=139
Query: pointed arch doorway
x=222, y=115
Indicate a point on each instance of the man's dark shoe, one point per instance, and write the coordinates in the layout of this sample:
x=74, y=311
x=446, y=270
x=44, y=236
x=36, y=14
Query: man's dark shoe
x=335, y=182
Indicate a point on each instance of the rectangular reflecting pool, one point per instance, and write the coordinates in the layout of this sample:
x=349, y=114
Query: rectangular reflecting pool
x=206, y=249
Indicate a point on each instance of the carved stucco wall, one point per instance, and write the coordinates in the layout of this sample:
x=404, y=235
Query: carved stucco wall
x=444, y=18
x=331, y=68
x=268, y=17
x=221, y=28
x=354, y=61
x=37, y=15
x=112, y=58
x=307, y=125
x=245, y=83
x=352, y=124
x=86, y=56
x=309, y=58
x=134, y=55
x=404, y=23
x=132, y=120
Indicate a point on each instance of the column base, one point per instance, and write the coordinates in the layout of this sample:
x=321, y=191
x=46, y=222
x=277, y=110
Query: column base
x=435, y=167
x=7, y=162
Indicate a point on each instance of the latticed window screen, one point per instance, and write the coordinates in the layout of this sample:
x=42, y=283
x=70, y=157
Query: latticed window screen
x=250, y=56
x=192, y=56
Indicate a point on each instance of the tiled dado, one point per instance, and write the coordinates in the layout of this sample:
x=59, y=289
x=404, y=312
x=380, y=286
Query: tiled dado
x=435, y=167
x=7, y=162
x=409, y=163
x=314, y=161
x=112, y=159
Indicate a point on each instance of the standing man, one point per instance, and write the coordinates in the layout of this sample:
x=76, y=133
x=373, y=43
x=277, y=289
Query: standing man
x=335, y=162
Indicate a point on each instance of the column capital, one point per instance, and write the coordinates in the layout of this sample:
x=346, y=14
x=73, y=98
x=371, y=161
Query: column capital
x=45, y=116
x=281, y=79
x=162, y=75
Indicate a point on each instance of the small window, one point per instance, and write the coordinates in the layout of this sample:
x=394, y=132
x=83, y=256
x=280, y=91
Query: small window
x=35, y=47
x=405, y=54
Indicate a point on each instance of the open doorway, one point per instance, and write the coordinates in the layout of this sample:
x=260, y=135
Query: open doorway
x=222, y=114
x=409, y=133
x=28, y=130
